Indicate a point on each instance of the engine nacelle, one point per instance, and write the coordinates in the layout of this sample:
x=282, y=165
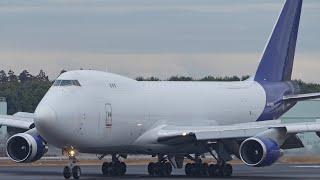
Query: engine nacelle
x=25, y=148
x=259, y=152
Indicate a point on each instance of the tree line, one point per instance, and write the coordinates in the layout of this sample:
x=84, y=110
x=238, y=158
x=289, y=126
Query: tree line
x=188, y=78
x=24, y=91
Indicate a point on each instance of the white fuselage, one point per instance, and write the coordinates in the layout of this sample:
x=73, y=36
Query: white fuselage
x=109, y=112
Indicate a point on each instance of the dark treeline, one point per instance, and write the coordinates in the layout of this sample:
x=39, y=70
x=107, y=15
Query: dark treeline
x=188, y=78
x=308, y=87
x=24, y=91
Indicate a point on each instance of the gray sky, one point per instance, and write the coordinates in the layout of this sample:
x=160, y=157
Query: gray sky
x=150, y=37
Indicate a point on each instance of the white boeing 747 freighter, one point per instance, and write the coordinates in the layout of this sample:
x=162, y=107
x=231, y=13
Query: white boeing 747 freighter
x=107, y=114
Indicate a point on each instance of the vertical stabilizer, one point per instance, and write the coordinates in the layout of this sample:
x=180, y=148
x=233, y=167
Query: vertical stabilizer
x=277, y=60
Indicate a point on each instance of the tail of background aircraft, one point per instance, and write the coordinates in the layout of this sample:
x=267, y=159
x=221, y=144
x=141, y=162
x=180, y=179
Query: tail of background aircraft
x=277, y=60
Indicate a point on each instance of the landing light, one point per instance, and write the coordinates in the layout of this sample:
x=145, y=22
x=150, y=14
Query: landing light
x=72, y=152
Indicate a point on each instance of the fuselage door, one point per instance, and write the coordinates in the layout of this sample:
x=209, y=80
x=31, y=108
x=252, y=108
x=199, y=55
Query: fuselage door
x=108, y=115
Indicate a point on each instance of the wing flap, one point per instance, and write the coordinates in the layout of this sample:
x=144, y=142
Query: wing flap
x=177, y=139
x=228, y=134
x=238, y=131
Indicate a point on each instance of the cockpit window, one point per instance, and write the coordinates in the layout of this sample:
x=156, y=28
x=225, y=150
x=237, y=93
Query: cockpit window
x=76, y=83
x=56, y=83
x=66, y=83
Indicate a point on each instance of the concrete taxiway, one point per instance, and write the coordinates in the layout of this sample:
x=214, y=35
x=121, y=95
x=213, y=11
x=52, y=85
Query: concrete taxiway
x=278, y=171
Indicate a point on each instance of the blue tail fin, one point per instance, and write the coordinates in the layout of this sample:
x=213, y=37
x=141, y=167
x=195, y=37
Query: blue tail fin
x=277, y=60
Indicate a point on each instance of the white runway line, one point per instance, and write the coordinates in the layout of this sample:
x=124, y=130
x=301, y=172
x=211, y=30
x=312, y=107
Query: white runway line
x=307, y=166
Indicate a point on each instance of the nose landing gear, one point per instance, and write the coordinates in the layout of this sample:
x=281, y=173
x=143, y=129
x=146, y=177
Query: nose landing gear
x=72, y=169
x=69, y=171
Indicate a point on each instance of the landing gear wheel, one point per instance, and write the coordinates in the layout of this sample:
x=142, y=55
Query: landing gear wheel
x=114, y=169
x=204, y=169
x=76, y=172
x=227, y=170
x=151, y=169
x=159, y=169
x=104, y=168
x=197, y=169
x=212, y=170
x=188, y=169
x=66, y=172
x=193, y=170
x=219, y=171
x=168, y=168
x=216, y=170
x=123, y=168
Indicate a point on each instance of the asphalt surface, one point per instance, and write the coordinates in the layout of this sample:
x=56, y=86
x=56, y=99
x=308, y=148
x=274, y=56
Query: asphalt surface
x=278, y=171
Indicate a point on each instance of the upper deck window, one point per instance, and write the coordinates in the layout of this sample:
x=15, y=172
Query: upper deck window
x=66, y=83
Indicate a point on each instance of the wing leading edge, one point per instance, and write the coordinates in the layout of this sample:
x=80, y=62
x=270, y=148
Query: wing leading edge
x=19, y=120
x=301, y=97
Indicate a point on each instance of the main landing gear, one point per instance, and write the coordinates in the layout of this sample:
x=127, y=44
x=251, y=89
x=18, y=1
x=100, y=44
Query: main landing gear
x=114, y=168
x=199, y=169
x=71, y=169
x=161, y=168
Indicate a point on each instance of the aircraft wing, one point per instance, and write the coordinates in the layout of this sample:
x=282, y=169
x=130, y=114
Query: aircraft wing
x=301, y=97
x=20, y=120
x=179, y=134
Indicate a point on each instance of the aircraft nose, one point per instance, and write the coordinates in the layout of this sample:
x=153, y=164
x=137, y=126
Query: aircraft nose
x=44, y=117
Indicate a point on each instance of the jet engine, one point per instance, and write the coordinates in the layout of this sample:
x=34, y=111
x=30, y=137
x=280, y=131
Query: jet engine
x=259, y=152
x=25, y=148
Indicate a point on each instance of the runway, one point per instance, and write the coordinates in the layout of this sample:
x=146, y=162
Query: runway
x=278, y=171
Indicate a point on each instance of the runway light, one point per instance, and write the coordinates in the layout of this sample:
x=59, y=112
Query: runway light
x=184, y=134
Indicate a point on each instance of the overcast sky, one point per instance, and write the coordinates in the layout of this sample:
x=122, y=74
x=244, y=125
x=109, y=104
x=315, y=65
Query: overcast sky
x=150, y=37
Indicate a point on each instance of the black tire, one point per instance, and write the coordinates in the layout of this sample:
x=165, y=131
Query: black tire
x=193, y=170
x=113, y=169
x=104, y=168
x=110, y=169
x=211, y=170
x=116, y=169
x=76, y=172
x=160, y=169
x=168, y=168
x=219, y=171
x=123, y=168
x=151, y=169
x=227, y=170
x=214, y=170
x=187, y=169
x=66, y=172
x=204, y=169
